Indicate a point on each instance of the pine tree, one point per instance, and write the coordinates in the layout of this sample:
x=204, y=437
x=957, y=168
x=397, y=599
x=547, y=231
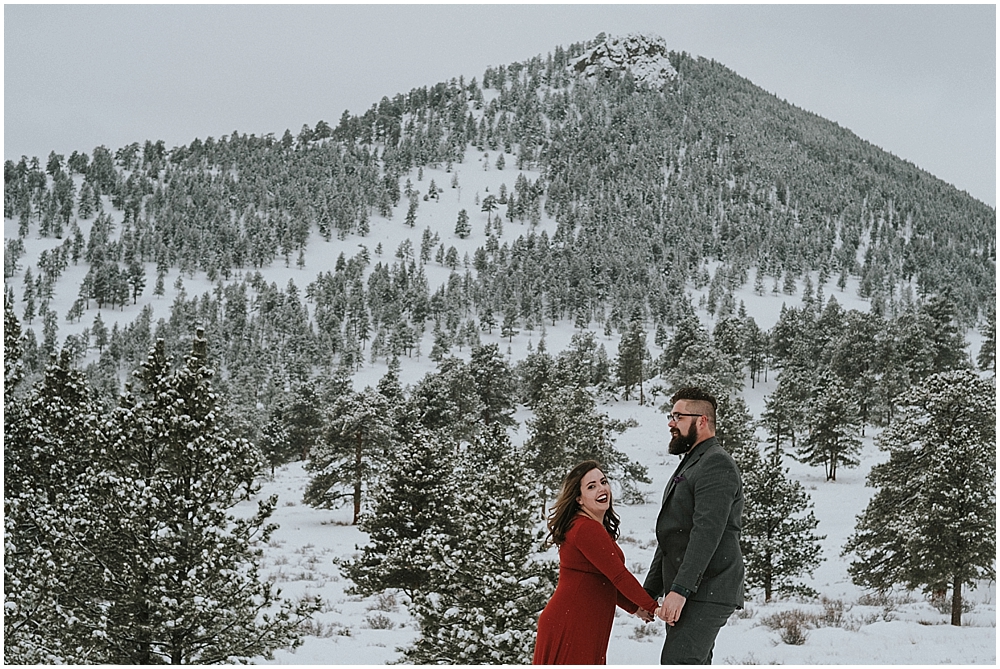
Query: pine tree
x=832, y=424
x=567, y=429
x=730, y=336
x=358, y=434
x=412, y=509
x=48, y=438
x=411, y=213
x=932, y=521
x=534, y=372
x=629, y=364
x=494, y=385
x=128, y=519
x=13, y=370
x=509, y=327
x=462, y=227
x=778, y=540
x=447, y=400
x=181, y=581
x=488, y=585
x=987, y=358
x=689, y=331
x=304, y=418
x=944, y=338
x=705, y=366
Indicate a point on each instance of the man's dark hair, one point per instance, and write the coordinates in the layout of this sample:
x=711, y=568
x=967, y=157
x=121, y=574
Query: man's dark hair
x=695, y=394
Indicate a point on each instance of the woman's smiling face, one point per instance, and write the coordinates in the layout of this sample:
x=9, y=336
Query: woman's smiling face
x=595, y=494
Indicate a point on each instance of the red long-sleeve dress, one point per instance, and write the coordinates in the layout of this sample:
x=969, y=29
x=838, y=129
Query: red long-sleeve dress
x=575, y=626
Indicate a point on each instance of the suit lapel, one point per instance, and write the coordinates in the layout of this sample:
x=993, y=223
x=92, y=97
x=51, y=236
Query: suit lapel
x=692, y=457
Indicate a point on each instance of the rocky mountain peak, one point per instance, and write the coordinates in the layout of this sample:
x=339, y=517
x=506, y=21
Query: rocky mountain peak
x=644, y=55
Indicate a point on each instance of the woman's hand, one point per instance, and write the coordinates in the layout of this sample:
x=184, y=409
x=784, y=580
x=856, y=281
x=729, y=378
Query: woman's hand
x=646, y=616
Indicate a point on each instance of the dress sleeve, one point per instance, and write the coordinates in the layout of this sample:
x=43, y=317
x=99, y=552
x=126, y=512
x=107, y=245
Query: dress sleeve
x=598, y=547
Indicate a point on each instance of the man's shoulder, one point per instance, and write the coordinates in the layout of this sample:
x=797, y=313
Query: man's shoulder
x=715, y=455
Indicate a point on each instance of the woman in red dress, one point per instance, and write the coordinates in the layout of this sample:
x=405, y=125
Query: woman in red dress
x=575, y=626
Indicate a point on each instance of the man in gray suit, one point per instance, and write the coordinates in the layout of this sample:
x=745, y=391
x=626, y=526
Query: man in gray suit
x=698, y=564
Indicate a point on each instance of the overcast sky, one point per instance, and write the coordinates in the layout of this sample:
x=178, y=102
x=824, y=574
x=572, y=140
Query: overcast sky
x=916, y=80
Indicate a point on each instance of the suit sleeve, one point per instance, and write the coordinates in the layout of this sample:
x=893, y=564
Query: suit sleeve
x=597, y=546
x=654, y=577
x=714, y=492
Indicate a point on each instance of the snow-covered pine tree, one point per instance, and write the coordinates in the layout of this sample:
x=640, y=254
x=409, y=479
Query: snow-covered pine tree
x=47, y=442
x=689, y=331
x=13, y=369
x=446, y=400
x=630, y=363
x=705, y=366
x=944, y=338
x=832, y=421
x=358, y=435
x=489, y=586
x=567, y=429
x=730, y=336
x=535, y=371
x=179, y=566
x=987, y=358
x=932, y=521
x=779, y=417
x=494, y=384
x=854, y=360
x=411, y=510
x=462, y=227
x=778, y=541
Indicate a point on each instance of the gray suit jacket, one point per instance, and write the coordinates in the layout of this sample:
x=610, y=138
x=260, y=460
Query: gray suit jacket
x=698, y=529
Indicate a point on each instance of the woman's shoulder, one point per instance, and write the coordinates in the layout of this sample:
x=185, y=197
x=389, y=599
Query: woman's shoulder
x=586, y=527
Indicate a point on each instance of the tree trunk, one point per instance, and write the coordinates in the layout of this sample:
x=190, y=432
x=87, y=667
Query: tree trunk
x=956, y=602
x=357, y=479
x=768, y=586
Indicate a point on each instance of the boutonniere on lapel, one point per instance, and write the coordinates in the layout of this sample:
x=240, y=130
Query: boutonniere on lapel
x=679, y=478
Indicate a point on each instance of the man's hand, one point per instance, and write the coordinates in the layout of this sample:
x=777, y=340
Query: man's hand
x=670, y=610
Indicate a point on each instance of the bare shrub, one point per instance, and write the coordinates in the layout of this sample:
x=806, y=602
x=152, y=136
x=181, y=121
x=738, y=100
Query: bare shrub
x=315, y=628
x=793, y=634
x=749, y=659
x=833, y=615
x=942, y=602
x=791, y=625
x=379, y=621
x=384, y=602
x=646, y=631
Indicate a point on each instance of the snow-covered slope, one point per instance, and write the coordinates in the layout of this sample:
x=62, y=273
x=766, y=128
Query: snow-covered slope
x=904, y=629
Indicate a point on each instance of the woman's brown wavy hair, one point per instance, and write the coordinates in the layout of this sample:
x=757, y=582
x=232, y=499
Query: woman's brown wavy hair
x=565, y=508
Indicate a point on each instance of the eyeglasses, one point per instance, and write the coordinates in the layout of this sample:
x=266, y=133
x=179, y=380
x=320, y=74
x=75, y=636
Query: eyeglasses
x=676, y=417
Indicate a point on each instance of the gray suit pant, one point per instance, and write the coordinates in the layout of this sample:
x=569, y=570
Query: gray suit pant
x=692, y=638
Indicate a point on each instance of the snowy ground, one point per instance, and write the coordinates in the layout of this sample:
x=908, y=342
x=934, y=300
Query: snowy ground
x=350, y=630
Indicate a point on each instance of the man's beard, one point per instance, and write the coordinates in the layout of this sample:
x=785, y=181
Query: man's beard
x=682, y=443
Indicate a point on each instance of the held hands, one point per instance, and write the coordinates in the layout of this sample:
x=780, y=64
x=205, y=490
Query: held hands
x=645, y=615
x=670, y=610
